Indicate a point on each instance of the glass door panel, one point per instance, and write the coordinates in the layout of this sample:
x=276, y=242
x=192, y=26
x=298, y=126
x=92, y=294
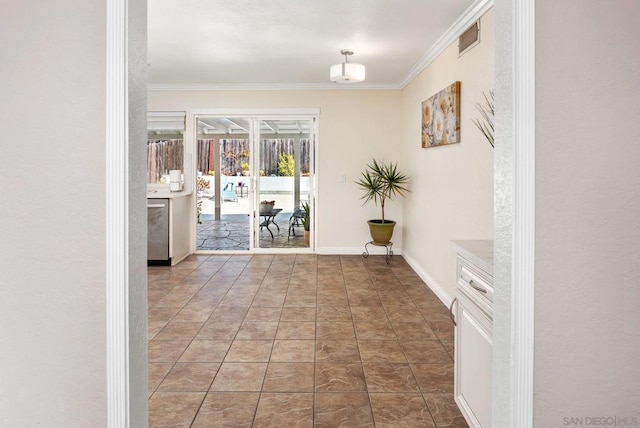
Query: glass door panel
x=284, y=171
x=223, y=174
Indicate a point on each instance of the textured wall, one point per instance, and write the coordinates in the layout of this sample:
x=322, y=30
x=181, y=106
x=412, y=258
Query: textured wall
x=52, y=221
x=587, y=339
x=452, y=186
x=503, y=205
x=137, y=53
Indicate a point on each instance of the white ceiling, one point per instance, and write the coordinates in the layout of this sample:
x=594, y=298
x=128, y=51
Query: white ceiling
x=292, y=42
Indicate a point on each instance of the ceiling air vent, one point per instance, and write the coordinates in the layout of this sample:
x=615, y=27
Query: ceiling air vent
x=469, y=38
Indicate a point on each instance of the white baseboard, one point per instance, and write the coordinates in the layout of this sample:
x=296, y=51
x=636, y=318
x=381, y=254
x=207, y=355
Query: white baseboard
x=175, y=261
x=444, y=297
x=431, y=283
x=374, y=250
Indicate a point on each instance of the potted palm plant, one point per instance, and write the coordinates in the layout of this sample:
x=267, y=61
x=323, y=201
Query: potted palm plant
x=381, y=181
x=306, y=222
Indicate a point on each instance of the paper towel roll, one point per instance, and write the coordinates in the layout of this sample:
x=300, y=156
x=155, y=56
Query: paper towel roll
x=175, y=176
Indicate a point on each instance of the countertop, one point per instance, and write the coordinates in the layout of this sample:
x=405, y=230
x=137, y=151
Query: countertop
x=478, y=252
x=165, y=194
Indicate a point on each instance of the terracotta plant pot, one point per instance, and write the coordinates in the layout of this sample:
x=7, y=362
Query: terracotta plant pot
x=381, y=233
x=307, y=237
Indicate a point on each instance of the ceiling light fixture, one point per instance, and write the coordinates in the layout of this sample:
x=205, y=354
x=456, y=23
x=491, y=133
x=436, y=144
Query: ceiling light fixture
x=347, y=72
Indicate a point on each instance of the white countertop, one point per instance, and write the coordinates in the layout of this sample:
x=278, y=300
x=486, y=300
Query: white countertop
x=478, y=252
x=165, y=194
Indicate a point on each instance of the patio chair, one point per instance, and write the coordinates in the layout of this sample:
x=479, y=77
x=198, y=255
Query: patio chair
x=228, y=192
x=294, y=221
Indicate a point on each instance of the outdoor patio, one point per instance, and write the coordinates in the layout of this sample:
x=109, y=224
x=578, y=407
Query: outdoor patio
x=231, y=233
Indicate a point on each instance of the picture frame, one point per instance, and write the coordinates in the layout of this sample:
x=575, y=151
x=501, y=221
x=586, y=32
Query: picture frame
x=441, y=117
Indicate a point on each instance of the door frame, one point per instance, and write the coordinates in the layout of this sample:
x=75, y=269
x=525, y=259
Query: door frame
x=515, y=202
x=251, y=114
x=519, y=21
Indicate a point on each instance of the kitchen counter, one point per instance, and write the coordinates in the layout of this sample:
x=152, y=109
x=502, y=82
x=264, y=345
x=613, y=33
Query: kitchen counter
x=478, y=252
x=165, y=194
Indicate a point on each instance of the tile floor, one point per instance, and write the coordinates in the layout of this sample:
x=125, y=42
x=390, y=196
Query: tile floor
x=298, y=341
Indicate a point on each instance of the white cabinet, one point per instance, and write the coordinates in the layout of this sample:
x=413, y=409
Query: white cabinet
x=473, y=314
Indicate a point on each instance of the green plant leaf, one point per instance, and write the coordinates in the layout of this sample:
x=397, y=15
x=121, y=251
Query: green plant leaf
x=381, y=181
x=487, y=113
x=306, y=220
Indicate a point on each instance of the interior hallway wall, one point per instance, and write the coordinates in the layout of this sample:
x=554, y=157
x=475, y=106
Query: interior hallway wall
x=452, y=186
x=587, y=287
x=52, y=251
x=355, y=126
x=53, y=357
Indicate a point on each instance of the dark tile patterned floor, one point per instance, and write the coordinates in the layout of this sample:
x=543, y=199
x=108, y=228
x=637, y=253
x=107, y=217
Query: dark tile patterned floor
x=298, y=340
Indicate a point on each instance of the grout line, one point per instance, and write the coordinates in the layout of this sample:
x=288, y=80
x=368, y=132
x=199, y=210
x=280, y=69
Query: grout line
x=195, y=415
x=315, y=351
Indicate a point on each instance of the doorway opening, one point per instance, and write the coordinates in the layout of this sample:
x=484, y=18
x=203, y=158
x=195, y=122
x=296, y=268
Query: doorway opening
x=255, y=183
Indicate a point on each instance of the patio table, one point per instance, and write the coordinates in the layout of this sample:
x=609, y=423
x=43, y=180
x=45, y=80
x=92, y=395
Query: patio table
x=269, y=218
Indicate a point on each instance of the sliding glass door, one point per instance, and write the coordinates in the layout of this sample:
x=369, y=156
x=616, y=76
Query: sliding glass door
x=284, y=164
x=255, y=183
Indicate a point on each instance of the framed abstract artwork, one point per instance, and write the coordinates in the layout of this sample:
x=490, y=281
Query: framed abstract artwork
x=441, y=117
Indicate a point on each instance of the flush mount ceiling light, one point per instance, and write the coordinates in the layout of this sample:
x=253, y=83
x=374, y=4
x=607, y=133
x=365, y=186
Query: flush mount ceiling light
x=347, y=72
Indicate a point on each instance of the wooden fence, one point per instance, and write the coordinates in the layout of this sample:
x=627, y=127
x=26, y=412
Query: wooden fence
x=235, y=152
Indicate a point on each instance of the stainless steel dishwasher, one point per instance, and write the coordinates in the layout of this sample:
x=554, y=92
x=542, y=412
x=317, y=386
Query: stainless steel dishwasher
x=158, y=232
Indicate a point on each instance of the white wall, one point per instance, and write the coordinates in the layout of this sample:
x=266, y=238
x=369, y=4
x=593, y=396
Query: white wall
x=53, y=367
x=452, y=186
x=355, y=126
x=587, y=335
x=52, y=297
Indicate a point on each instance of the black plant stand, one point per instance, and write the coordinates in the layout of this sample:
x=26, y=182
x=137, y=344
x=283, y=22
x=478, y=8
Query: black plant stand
x=388, y=247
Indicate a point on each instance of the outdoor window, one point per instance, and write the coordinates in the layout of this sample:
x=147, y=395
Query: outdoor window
x=165, y=145
x=163, y=155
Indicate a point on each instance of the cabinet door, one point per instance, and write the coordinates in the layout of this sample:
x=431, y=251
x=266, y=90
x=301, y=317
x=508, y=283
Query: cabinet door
x=473, y=359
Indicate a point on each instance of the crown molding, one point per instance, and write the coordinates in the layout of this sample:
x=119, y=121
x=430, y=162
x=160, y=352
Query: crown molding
x=472, y=14
x=273, y=87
